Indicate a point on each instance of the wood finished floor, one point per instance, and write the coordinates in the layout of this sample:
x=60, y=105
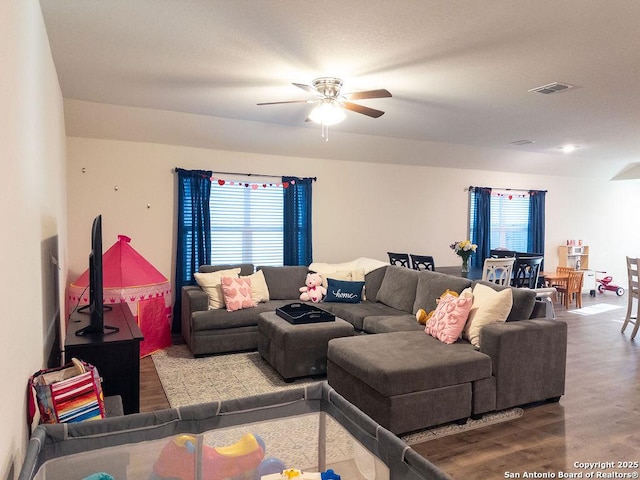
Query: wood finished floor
x=597, y=420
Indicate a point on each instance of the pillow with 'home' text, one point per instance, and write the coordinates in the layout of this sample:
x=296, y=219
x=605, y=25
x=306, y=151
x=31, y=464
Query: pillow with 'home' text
x=343, y=291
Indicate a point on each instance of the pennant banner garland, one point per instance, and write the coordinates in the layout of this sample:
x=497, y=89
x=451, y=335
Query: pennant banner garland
x=254, y=186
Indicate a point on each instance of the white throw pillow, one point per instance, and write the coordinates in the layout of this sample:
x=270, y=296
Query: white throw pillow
x=211, y=283
x=489, y=306
x=259, y=289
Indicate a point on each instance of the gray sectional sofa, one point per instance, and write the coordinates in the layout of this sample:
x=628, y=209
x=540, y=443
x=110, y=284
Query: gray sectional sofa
x=402, y=377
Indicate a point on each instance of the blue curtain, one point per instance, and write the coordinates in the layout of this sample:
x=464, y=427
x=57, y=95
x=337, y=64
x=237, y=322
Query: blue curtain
x=297, y=221
x=535, y=242
x=194, y=231
x=481, y=227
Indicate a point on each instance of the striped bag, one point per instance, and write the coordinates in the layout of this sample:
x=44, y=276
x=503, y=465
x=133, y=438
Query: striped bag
x=71, y=393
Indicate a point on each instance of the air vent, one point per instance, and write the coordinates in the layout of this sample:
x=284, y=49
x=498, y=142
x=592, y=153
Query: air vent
x=522, y=142
x=554, y=87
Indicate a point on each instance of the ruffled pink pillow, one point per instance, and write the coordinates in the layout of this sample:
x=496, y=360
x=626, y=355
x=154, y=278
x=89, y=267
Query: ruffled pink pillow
x=447, y=322
x=237, y=293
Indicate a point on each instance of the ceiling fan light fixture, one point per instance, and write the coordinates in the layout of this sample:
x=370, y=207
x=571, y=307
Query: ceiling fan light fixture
x=327, y=113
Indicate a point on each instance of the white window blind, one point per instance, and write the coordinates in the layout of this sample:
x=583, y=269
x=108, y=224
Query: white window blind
x=509, y=220
x=246, y=224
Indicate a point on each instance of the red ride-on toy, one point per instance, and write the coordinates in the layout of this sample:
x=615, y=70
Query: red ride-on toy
x=605, y=284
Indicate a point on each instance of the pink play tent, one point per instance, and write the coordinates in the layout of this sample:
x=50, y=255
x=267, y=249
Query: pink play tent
x=129, y=278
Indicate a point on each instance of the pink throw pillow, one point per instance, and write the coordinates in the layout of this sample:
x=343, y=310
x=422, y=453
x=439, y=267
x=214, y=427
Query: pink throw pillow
x=237, y=293
x=447, y=322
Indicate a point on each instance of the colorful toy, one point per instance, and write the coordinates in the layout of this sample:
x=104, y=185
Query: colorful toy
x=99, y=476
x=313, y=290
x=240, y=460
x=605, y=284
x=295, y=474
x=269, y=466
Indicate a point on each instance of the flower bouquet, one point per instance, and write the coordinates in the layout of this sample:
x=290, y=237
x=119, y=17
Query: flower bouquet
x=464, y=249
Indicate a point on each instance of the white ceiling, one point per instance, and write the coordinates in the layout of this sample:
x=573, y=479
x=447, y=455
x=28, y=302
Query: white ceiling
x=459, y=72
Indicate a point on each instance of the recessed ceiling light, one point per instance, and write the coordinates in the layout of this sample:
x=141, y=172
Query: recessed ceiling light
x=568, y=148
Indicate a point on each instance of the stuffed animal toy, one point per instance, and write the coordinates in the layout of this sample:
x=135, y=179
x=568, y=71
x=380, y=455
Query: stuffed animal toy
x=313, y=291
x=423, y=317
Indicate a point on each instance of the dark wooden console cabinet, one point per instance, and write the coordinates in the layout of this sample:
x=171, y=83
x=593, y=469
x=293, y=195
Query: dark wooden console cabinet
x=116, y=355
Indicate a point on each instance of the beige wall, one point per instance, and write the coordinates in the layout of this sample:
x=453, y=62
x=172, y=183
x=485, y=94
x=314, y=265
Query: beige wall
x=32, y=214
x=360, y=209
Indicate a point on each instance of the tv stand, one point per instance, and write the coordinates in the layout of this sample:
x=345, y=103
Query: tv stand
x=116, y=355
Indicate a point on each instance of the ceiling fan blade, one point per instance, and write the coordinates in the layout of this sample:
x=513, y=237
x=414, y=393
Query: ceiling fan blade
x=308, y=88
x=277, y=103
x=371, y=112
x=380, y=93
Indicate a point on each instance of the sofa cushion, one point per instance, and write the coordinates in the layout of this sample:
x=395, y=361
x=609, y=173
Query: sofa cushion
x=404, y=362
x=524, y=300
x=212, y=321
x=489, y=306
x=355, y=313
x=450, y=316
x=398, y=288
x=284, y=282
x=391, y=323
x=211, y=283
x=343, y=291
x=433, y=284
x=372, y=282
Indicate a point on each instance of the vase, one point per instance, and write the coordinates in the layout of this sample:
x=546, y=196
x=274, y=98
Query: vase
x=465, y=264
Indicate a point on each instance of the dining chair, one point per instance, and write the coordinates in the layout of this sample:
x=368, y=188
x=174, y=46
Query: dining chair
x=633, y=293
x=573, y=289
x=526, y=271
x=502, y=253
x=498, y=270
x=422, y=262
x=561, y=283
x=399, y=259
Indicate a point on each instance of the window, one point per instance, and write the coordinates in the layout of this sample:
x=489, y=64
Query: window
x=246, y=224
x=509, y=223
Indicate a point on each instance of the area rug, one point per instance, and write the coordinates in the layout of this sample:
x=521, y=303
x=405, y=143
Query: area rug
x=597, y=308
x=187, y=381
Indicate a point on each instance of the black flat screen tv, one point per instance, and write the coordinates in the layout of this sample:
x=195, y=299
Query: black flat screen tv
x=96, y=306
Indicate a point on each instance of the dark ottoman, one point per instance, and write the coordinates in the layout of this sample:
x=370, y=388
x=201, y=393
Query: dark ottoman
x=297, y=350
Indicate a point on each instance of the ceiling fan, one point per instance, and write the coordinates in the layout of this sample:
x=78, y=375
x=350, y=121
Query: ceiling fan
x=330, y=103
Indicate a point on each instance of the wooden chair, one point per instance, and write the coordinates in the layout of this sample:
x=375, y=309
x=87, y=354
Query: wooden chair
x=422, y=262
x=573, y=289
x=498, y=270
x=526, y=272
x=561, y=283
x=399, y=259
x=633, y=264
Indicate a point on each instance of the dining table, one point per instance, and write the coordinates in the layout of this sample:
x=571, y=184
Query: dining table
x=554, y=279
x=551, y=278
x=474, y=273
